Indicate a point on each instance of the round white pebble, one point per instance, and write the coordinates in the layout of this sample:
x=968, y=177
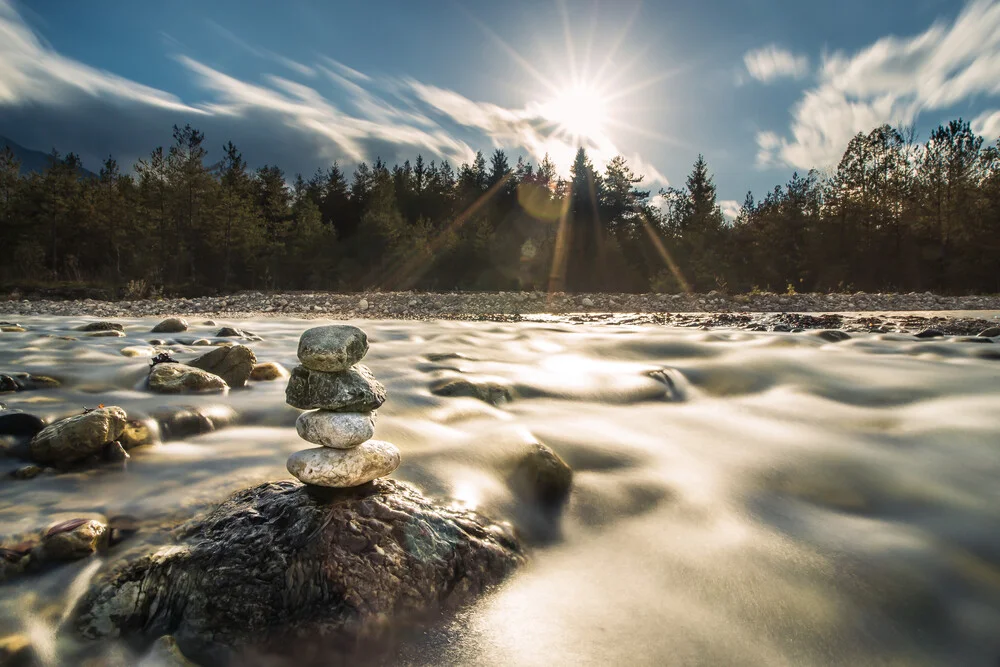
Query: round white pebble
x=340, y=430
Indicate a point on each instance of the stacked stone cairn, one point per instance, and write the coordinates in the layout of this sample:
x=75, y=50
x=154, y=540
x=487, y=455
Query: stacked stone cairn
x=341, y=397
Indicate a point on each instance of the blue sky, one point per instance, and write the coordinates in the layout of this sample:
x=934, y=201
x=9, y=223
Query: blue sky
x=760, y=88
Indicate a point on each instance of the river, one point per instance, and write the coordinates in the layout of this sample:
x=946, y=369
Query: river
x=768, y=499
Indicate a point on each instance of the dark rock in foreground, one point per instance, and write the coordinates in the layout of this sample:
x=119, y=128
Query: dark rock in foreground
x=232, y=364
x=291, y=569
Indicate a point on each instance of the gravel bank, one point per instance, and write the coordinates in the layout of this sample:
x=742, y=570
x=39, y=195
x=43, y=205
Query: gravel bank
x=482, y=305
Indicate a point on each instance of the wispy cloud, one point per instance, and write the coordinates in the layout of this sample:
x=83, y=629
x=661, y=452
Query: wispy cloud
x=892, y=81
x=773, y=62
x=730, y=208
x=32, y=72
x=328, y=112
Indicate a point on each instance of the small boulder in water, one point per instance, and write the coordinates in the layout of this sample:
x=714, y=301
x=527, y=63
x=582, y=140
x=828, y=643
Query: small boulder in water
x=832, y=335
x=26, y=472
x=73, y=439
x=110, y=333
x=72, y=540
x=268, y=371
x=992, y=332
x=342, y=468
x=171, y=325
x=179, y=422
x=20, y=424
x=174, y=378
x=929, y=333
x=540, y=476
x=487, y=391
x=233, y=332
x=101, y=326
x=353, y=390
x=232, y=363
x=332, y=348
x=26, y=382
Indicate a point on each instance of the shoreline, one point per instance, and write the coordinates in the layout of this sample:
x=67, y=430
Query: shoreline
x=502, y=305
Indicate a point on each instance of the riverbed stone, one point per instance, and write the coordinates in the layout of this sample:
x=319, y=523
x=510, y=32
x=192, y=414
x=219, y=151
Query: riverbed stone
x=173, y=378
x=20, y=424
x=30, y=471
x=73, y=439
x=332, y=348
x=992, y=332
x=541, y=477
x=232, y=363
x=171, y=325
x=929, y=333
x=101, y=326
x=340, y=430
x=108, y=333
x=268, y=371
x=353, y=390
x=71, y=540
x=349, y=567
x=341, y=468
x=233, y=332
x=487, y=391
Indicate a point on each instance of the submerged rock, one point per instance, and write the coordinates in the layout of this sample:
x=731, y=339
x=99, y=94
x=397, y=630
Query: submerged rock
x=71, y=540
x=540, y=476
x=101, y=326
x=487, y=391
x=179, y=422
x=27, y=472
x=171, y=325
x=353, y=390
x=929, y=333
x=173, y=378
x=165, y=653
x=304, y=572
x=110, y=333
x=233, y=364
x=340, y=430
x=992, y=332
x=20, y=424
x=268, y=371
x=75, y=438
x=233, y=332
x=832, y=335
x=341, y=468
x=27, y=382
x=332, y=348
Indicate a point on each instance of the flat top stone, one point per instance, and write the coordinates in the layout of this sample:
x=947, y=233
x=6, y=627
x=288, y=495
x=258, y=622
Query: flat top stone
x=353, y=390
x=332, y=348
x=344, y=468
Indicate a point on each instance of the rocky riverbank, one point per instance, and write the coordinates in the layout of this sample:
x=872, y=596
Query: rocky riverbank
x=485, y=305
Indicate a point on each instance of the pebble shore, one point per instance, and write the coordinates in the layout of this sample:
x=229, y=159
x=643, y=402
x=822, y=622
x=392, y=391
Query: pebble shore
x=490, y=305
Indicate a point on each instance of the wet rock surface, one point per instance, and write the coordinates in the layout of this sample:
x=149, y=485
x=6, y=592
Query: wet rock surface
x=354, y=390
x=268, y=371
x=173, y=378
x=340, y=430
x=233, y=364
x=73, y=439
x=487, y=391
x=171, y=325
x=302, y=571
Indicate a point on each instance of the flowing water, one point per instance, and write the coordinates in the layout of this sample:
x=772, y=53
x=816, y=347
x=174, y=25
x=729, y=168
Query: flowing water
x=766, y=499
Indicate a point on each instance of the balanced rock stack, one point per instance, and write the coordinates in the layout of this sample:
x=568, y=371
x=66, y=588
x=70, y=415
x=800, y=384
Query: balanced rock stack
x=341, y=396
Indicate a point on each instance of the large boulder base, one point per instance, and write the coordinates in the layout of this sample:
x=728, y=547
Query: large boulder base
x=353, y=390
x=332, y=348
x=291, y=569
x=233, y=364
x=75, y=438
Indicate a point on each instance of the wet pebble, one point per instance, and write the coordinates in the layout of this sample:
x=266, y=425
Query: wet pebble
x=341, y=468
x=171, y=325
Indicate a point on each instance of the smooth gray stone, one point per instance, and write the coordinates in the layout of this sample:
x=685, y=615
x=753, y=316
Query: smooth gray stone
x=170, y=378
x=332, y=348
x=75, y=438
x=340, y=430
x=233, y=363
x=353, y=390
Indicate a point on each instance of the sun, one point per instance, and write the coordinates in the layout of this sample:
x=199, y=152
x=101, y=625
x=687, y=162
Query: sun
x=579, y=111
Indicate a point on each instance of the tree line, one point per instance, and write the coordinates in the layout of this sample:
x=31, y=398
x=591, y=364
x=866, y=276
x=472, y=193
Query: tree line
x=895, y=215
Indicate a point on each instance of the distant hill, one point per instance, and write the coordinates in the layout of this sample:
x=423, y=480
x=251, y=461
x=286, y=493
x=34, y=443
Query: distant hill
x=34, y=161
